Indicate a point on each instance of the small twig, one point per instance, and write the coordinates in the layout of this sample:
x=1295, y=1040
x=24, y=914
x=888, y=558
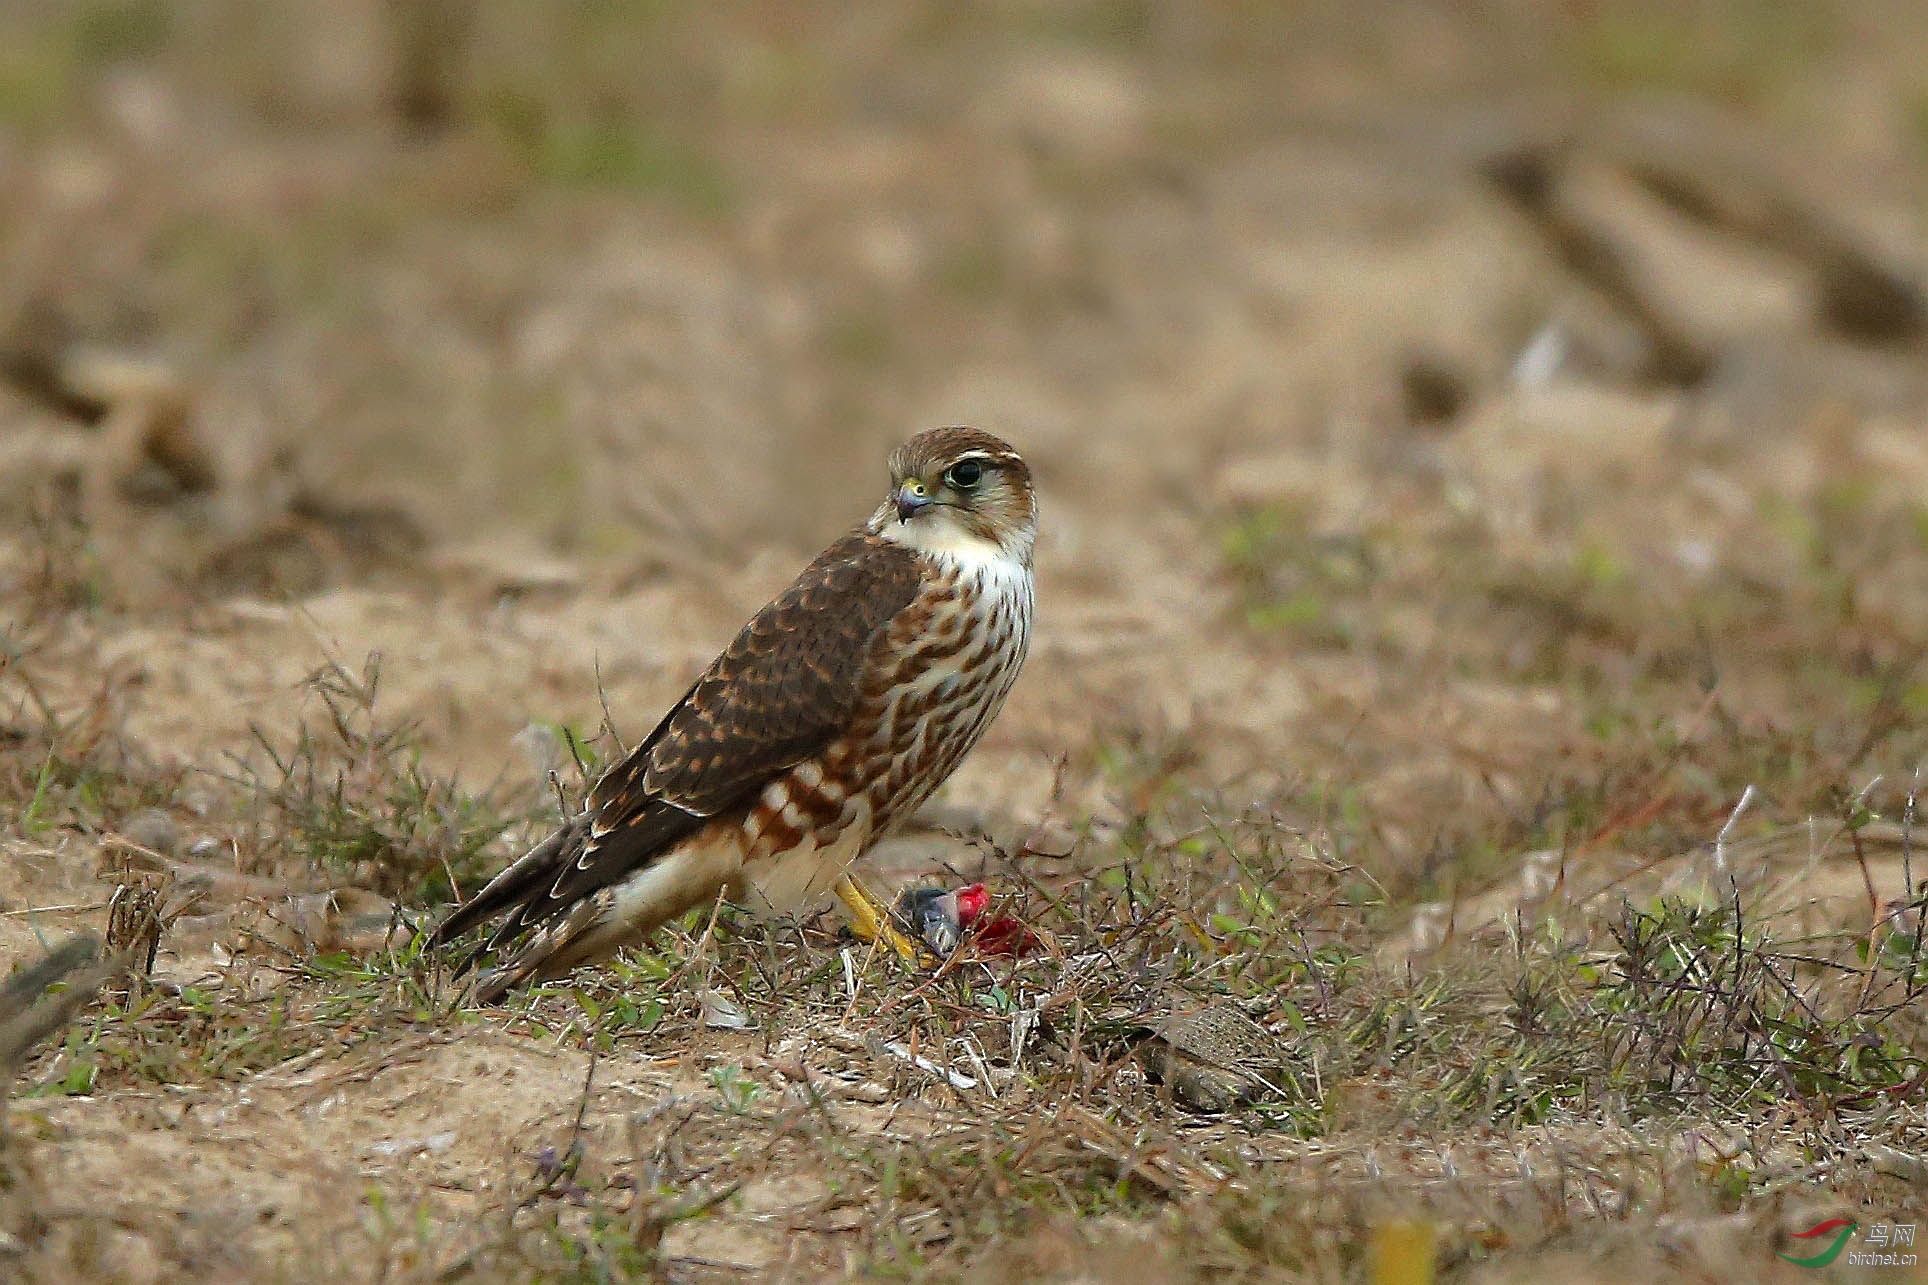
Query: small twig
x=582, y=1104
x=56, y=730
x=1733, y=819
x=1905, y=1089
x=1861, y=857
x=702, y=946
x=1908, y=892
x=570, y=1158
x=455, y=885
x=903, y=1053
x=1907, y=836
x=72, y=908
x=609, y=719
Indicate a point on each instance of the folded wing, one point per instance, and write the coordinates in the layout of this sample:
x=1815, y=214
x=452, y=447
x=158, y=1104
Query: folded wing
x=782, y=691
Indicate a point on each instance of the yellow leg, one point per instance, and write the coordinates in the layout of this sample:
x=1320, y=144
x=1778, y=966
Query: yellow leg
x=870, y=920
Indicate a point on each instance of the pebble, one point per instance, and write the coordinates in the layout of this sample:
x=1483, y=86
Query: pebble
x=154, y=830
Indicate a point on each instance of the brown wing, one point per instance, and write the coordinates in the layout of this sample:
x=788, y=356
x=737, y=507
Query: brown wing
x=781, y=691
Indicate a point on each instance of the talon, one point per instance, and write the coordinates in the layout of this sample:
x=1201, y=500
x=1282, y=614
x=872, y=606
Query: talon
x=871, y=921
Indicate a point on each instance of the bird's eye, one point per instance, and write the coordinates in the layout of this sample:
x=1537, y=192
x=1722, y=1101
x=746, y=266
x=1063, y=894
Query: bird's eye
x=964, y=475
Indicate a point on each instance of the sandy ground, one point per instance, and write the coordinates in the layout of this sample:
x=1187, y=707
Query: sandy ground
x=575, y=427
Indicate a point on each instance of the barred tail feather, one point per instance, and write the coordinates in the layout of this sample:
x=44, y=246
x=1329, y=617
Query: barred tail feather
x=584, y=934
x=527, y=879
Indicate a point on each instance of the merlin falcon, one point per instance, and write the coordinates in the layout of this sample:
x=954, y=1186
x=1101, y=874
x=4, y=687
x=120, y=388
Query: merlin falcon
x=828, y=720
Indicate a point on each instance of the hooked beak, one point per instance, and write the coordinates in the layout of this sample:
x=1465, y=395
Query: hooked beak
x=911, y=500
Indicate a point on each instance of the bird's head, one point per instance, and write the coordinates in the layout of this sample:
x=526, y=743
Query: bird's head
x=959, y=492
x=942, y=918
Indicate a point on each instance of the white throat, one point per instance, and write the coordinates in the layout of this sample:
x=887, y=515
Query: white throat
x=939, y=534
